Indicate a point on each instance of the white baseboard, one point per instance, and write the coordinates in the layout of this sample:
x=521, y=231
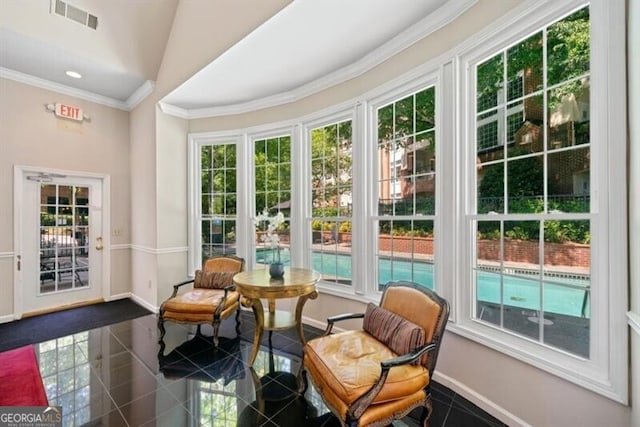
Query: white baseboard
x=7, y=318
x=321, y=325
x=144, y=303
x=481, y=401
x=313, y=322
x=120, y=296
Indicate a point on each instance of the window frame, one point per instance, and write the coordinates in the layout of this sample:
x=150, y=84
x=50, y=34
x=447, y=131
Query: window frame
x=252, y=138
x=332, y=116
x=194, y=183
x=606, y=371
x=429, y=76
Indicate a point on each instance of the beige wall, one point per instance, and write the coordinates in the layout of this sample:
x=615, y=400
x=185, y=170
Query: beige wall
x=143, y=203
x=32, y=136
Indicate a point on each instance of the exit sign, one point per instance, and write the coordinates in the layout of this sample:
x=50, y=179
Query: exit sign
x=69, y=112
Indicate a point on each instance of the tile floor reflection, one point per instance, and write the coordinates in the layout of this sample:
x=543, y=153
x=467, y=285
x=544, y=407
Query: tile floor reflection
x=116, y=376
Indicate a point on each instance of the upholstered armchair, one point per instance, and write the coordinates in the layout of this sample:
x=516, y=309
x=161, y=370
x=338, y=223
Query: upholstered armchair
x=372, y=376
x=212, y=298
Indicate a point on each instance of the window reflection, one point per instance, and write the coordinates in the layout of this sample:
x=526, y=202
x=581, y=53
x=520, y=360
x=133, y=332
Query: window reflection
x=65, y=371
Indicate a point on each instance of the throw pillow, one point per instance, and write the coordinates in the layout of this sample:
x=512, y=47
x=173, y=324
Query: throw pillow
x=391, y=329
x=213, y=279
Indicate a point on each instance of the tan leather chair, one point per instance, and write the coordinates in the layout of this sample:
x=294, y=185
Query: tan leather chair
x=373, y=376
x=212, y=298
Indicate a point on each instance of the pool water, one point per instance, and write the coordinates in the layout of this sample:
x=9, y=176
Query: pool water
x=559, y=295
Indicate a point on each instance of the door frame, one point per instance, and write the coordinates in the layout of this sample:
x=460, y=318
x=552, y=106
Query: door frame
x=19, y=175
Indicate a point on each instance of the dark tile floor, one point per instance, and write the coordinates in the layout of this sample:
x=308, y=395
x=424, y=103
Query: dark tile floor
x=114, y=375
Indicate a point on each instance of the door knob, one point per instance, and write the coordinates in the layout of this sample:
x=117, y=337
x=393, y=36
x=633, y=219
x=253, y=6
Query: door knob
x=99, y=246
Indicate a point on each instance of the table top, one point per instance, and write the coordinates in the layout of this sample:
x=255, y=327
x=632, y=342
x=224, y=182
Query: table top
x=258, y=283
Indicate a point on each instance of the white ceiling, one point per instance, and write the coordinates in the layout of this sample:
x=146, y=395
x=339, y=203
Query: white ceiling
x=307, y=46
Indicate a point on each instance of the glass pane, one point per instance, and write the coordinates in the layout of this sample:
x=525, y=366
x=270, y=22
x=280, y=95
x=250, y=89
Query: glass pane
x=568, y=47
x=521, y=248
x=217, y=205
x=569, y=181
x=488, y=139
x=525, y=185
x=230, y=155
x=569, y=115
x=490, y=180
x=230, y=207
x=284, y=177
x=524, y=126
x=522, y=306
x=206, y=204
x=404, y=117
x=567, y=273
x=273, y=155
x=218, y=181
x=205, y=157
x=490, y=83
x=558, y=326
x=425, y=109
x=524, y=67
x=385, y=123
x=425, y=153
x=285, y=149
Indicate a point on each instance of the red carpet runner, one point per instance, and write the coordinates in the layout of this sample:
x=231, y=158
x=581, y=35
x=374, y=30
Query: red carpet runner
x=20, y=381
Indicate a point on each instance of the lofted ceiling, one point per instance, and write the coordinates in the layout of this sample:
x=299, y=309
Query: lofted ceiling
x=305, y=47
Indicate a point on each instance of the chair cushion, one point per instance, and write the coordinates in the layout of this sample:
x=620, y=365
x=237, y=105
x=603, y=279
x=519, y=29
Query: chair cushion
x=199, y=301
x=345, y=365
x=213, y=279
x=401, y=335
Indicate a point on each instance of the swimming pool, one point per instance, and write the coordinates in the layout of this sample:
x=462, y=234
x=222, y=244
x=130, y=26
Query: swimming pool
x=568, y=296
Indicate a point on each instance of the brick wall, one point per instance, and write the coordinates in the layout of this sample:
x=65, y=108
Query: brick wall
x=567, y=254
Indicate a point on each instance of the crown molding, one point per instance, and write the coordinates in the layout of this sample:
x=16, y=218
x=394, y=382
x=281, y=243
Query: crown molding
x=142, y=92
x=429, y=24
x=172, y=110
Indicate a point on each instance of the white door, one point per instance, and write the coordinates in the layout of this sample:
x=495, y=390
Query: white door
x=59, y=241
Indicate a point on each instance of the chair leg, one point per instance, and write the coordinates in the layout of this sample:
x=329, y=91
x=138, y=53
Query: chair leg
x=161, y=327
x=303, y=382
x=162, y=332
x=426, y=412
x=238, y=321
x=216, y=329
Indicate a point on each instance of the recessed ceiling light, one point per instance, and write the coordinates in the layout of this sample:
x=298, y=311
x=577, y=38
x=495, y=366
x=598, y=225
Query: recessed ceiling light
x=74, y=74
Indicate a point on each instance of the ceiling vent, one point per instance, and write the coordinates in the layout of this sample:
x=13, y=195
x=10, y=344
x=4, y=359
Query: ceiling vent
x=83, y=17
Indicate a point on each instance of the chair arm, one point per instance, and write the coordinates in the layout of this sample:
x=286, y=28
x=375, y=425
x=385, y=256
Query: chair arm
x=358, y=407
x=408, y=358
x=223, y=300
x=177, y=285
x=339, y=317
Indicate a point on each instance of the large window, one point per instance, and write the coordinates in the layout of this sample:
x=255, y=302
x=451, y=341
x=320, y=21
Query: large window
x=406, y=162
x=331, y=201
x=532, y=258
x=529, y=204
x=218, y=199
x=272, y=163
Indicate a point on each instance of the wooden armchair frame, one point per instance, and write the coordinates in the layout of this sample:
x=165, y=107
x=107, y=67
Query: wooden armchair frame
x=221, y=311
